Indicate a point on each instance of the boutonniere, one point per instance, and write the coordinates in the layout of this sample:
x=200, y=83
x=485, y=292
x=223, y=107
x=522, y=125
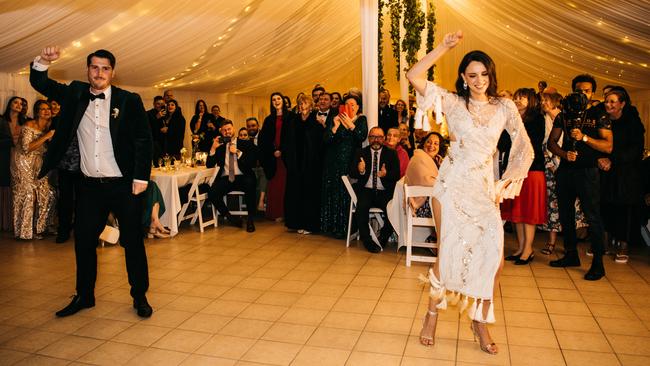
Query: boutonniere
x=116, y=112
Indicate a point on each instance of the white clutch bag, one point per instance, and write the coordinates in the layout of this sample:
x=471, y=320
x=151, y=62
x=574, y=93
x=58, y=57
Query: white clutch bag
x=110, y=235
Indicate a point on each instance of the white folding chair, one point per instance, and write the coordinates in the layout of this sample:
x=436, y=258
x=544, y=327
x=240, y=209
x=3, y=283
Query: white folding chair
x=375, y=215
x=412, y=220
x=194, y=195
x=239, y=195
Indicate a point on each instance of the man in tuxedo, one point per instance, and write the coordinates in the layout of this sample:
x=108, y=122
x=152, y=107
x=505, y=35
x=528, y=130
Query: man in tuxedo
x=111, y=129
x=387, y=115
x=377, y=169
x=324, y=112
x=236, y=159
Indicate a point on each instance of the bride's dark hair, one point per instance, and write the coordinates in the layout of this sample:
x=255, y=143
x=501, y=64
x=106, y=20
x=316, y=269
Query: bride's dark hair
x=482, y=57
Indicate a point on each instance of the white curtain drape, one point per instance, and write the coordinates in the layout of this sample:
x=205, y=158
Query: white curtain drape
x=369, y=33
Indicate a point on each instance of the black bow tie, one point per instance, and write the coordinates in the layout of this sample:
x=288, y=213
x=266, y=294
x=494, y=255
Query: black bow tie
x=100, y=96
x=322, y=114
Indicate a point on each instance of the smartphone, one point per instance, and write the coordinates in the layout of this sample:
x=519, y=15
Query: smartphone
x=343, y=109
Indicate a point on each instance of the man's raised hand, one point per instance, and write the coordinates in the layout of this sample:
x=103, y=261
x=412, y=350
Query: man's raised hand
x=49, y=54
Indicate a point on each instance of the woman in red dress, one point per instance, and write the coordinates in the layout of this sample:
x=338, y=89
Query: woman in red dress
x=273, y=141
x=528, y=209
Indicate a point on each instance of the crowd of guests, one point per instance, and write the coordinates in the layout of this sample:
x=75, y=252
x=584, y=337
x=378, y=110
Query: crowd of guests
x=586, y=171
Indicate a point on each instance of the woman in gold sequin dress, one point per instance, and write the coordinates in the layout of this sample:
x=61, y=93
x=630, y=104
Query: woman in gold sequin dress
x=33, y=198
x=467, y=194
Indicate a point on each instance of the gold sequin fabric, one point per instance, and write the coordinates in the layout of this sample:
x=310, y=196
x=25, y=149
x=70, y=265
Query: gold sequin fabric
x=33, y=199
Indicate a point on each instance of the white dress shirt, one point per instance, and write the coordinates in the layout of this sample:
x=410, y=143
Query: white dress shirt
x=95, y=142
x=380, y=187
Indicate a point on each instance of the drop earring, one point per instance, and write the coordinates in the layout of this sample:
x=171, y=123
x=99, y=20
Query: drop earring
x=465, y=85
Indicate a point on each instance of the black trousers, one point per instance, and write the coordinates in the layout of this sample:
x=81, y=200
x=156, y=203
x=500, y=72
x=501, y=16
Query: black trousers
x=221, y=187
x=621, y=221
x=68, y=182
x=95, y=201
x=366, y=199
x=585, y=184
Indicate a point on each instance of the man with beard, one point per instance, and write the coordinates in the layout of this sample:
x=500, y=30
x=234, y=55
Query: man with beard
x=377, y=169
x=235, y=159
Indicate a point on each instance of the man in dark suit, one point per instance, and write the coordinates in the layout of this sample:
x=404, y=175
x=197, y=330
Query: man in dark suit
x=387, y=115
x=324, y=112
x=377, y=169
x=110, y=127
x=236, y=159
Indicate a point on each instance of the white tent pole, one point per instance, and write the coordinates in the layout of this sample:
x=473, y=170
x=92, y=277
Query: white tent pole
x=370, y=59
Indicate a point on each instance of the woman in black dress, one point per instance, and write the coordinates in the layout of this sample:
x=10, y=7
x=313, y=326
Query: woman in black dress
x=304, y=171
x=622, y=190
x=173, y=130
x=202, y=126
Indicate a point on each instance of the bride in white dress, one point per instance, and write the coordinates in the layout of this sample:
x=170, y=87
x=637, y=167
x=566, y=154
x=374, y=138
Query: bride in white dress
x=467, y=192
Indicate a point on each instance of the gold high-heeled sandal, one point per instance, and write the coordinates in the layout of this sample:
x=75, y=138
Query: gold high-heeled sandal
x=429, y=340
x=489, y=348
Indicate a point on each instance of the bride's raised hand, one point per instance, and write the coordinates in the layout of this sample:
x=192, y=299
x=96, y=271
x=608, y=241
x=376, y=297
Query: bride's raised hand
x=452, y=39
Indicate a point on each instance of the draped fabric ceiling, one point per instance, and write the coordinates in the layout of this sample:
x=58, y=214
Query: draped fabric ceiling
x=254, y=47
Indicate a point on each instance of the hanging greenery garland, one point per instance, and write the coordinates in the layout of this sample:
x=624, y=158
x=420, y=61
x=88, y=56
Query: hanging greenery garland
x=431, y=30
x=380, y=46
x=413, y=26
x=395, y=17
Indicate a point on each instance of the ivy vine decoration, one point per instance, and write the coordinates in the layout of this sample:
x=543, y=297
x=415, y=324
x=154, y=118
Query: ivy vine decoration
x=395, y=17
x=414, y=23
x=431, y=30
x=380, y=45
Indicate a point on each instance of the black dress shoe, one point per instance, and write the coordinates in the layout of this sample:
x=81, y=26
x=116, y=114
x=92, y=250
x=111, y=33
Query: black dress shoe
x=371, y=246
x=512, y=257
x=597, y=270
x=142, y=307
x=234, y=221
x=62, y=238
x=75, y=305
x=570, y=259
x=250, y=226
x=521, y=262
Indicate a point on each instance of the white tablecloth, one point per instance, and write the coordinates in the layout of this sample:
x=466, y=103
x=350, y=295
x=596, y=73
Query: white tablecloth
x=397, y=216
x=169, y=182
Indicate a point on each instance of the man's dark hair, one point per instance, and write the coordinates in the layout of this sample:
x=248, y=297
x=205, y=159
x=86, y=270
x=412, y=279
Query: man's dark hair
x=101, y=54
x=543, y=83
x=252, y=119
x=157, y=98
x=211, y=108
x=584, y=78
x=325, y=93
x=318, y=88
x=226, y=122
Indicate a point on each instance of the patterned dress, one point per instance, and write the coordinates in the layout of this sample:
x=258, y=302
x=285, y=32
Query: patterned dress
x=471, y=233
x=33, y=198
x=335, y=201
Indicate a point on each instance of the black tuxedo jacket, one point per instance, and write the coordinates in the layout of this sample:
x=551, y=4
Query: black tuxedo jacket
x=387, y=118
x=129, y=125
x=388, y=156
x=246, y=162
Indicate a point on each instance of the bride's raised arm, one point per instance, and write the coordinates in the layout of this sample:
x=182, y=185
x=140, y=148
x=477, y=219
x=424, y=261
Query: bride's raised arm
x=417, y=75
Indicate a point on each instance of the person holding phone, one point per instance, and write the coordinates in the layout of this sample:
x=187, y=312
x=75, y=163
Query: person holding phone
x=343, y=135
x=235, y=159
